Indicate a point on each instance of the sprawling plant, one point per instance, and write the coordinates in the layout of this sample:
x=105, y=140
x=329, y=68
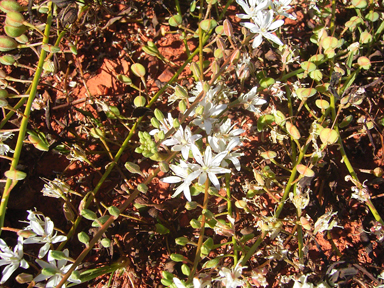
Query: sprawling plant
x=202, y=143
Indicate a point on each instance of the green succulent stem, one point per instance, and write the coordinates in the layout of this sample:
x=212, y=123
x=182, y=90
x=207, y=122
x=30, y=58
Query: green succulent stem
x=201, y=233
x=24, y=122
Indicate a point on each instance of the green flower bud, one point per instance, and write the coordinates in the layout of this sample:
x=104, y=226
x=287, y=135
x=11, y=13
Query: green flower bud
x=125, y=79
x=139, y=101
x=83, y=237
x=10, y=6
x=159, y=115
x=185, y=269
x=13, y=31
x=182, y=106
x=164, y=166
x=142, y=188
x=15, y=175
x=175, y=20
x=133, y=168
x=211, y=263
x=177, y=257
x=191, y=205
x=208, y=24
x=176, y=123
x=88, y=214
x=161, y=229
x=14, y=19
x=195, y=224
x=7, y=60
x=182, y=241
x=59, y=255
x=49, y=271
x=24, y=278
x=195, y=70
x=155, y=123
x=7, y=43
x=138, y=70
x=114, y=211
x=105, y=242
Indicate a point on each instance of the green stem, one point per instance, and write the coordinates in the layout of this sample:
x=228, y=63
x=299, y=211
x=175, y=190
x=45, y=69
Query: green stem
x=24, y=122
x=253, y=248
x=201, y=234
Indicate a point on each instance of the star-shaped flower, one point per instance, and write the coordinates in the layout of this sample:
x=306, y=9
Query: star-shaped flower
x=263, y=27
x=182, y=141
x=13, y=259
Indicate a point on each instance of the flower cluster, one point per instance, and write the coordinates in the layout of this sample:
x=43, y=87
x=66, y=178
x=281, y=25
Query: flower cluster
x=39, y=230
x=262, y=13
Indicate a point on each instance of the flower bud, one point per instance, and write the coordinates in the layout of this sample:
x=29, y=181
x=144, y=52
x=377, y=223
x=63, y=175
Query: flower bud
x=139, y=101
x=155, y=123
x=7, y=43
x=208, y=24
x=133, y=168
x=176, y=123
x=24, y=278
x=10, y=6
x=177, y=257
x=7, y=60
x=73, y=48
x=88, y=214
x=185, y=270
x=105, y=242
x=175, y=20
x=59, y=255
x=114, y=211
x=23, y=39
x=26, y=233
x=164, y=166
x=49, y=271
x=211, y=263
x=228, y=30
x=161, y=229
x=13, y=31
x=15, y=175
x=83, y=237
x=220, y=43
x=142, y=188
x=159, y=115
x=195, y=224
x=180, y=92
x=235, y=56
x=3, y=93
x=125, y=79
x=194, y=68
x=199, y=110
x=14, y=19
x=182, y=241
x=191, y=205
x=138, y=70
x=182, y=106
x=50, y=48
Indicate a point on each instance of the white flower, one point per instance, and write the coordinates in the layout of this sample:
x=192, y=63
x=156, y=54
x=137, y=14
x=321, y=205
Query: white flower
x=231, y=277
x=55, y=189
x=322, y=224
x=208, y=167
x=166, y=125
x=54, y=270
x=302, y=282
x=206, y=120
x=13, y=259
x=183, y=170
x=252, y=8
x=251, y=99
x=182, y=141
x=43, y=227
x=264, y=26
x=220, y=146
x=197, y=283
x=281, y=7
x=4, y=148
x=223, y=131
